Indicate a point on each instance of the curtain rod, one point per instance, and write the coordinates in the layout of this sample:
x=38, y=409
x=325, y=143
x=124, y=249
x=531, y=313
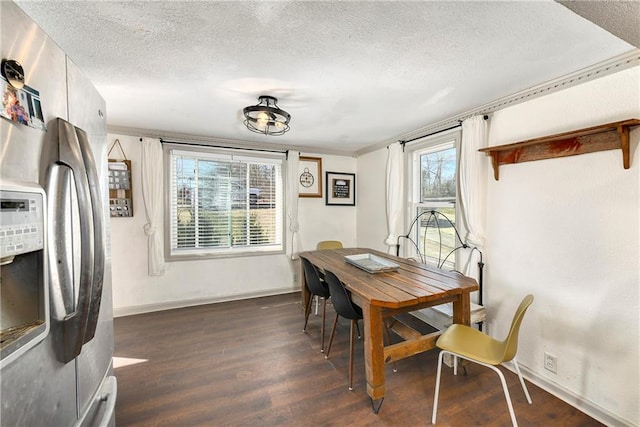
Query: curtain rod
x=285, y=152
x=436, y=132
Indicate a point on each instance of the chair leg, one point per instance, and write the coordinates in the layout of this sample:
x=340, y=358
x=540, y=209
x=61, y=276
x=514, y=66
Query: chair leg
x=324, y=314
x=524, y=387
x=307, y=312
x=333, y=331
x=455, y=365
x=306, y=319
x=351, y=353
x=506, y=395
x=437, y=392
x=495, y=368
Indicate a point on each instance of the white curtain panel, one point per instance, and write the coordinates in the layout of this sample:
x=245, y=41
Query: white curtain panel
x=473, y=180
x=152, y=191
x=292, y=202
x=395, y=194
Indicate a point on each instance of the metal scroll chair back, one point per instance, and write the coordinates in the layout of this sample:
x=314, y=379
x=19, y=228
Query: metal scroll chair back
x=344, y=307
x=442, y=254
x=329, y=244
x=316, y=287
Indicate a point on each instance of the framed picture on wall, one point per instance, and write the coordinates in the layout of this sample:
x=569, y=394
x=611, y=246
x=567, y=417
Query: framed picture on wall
x=310, y=177
x=341, y=189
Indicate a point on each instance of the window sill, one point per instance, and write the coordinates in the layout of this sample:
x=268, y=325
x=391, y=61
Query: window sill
x=196, y=256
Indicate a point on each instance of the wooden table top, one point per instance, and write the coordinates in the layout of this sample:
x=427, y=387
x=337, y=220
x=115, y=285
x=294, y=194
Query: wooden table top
x=412, y=284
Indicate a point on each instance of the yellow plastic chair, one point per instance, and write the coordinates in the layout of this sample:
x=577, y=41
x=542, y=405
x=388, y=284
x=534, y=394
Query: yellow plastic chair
x=329, y=244
x=475, y=346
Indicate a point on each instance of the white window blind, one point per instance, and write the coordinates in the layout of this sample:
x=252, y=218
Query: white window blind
x=224, y=204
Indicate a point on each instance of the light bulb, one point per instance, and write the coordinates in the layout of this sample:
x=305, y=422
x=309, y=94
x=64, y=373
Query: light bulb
x=262, y=118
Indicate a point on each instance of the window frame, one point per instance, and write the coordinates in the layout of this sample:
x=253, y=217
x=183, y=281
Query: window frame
x=430, y=144
x=232, y=154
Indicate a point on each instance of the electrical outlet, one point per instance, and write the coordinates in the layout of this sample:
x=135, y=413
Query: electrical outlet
x=550, y=362
x=295, y=277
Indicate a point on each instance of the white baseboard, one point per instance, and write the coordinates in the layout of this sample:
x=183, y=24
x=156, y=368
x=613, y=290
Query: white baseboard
x=170, y=305
x=588, y=407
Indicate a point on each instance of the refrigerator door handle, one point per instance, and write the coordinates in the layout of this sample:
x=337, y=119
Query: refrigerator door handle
x=98, y=237
x=60, y=241
x=74, y=324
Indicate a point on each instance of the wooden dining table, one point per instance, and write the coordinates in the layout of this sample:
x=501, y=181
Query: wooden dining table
x=384, y=295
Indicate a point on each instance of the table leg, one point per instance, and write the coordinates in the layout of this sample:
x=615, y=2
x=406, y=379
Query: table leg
x=462, y=309
x=373, y=351
x=304, y=291
x=376, y=405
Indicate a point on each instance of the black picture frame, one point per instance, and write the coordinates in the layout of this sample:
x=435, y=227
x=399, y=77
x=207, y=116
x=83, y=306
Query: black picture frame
x=340, y=189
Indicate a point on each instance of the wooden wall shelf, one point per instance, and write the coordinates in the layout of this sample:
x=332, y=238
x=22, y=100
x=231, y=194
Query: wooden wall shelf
x=609, y=136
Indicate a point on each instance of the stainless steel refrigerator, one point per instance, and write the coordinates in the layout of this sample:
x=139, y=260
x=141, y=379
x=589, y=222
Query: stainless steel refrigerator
x=55, y=267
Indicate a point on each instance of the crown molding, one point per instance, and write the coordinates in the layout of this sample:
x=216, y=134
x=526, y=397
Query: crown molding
x=611, y=66
x=220, y=142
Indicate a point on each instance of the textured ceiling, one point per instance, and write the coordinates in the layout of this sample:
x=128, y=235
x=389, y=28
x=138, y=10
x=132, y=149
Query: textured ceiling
x=620, y=18
x=351, y=74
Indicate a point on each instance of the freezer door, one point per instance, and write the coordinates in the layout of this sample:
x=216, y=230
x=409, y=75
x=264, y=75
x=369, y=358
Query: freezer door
x=44, y=64
x=36, y=389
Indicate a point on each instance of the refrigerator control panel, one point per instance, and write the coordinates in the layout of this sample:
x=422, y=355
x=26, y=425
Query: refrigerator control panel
x=21, y=222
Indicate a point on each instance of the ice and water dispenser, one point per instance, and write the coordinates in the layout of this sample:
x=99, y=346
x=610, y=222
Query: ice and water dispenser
x=24, y=311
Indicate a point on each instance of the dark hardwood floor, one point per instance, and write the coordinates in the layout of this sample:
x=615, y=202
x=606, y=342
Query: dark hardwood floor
x=248, y=363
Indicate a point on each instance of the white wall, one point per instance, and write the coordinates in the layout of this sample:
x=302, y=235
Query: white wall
x=204, y=281
x=320, y=222
x=372, y=214
x=566, y=230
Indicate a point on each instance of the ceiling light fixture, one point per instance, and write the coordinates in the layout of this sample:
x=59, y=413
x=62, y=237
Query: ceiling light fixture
x=266, y=117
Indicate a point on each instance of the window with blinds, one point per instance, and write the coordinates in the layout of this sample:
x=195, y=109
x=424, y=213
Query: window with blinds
x=223, y=203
